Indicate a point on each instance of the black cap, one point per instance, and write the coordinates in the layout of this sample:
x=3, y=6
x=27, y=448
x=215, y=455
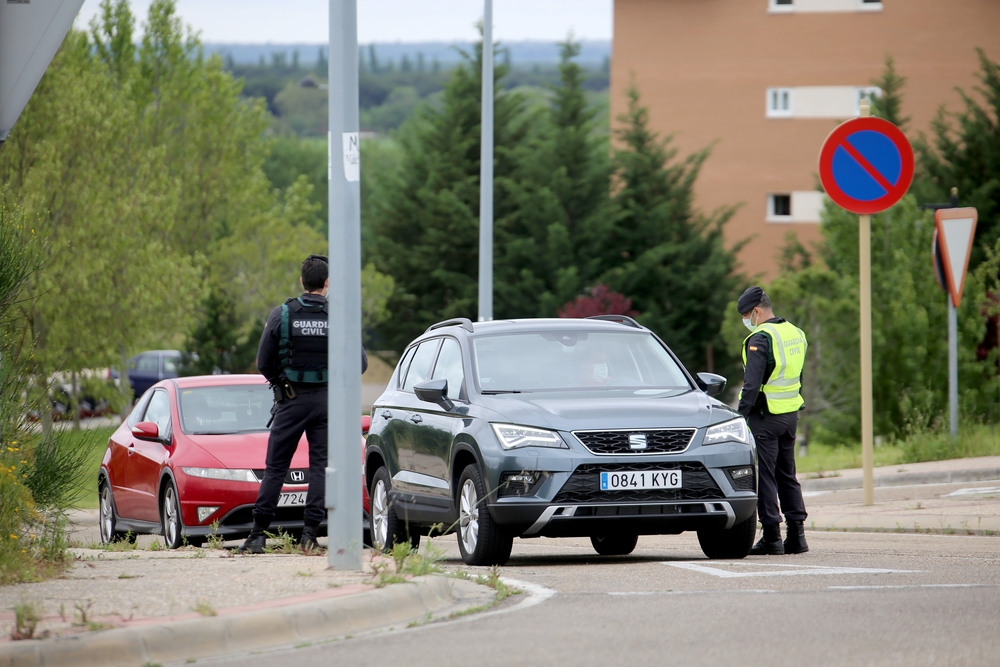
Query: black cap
x=749, y=299
x=319, y=257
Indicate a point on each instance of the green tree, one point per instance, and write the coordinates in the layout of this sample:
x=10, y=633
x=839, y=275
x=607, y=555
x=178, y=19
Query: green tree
x=562, y=206
x=909, y=329
x=94, y=192
x=889, y=104
x=965, y=153
x=426, y=209
x=671, y=260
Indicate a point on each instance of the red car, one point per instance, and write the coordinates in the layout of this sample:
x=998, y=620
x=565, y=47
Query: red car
x=191, y=454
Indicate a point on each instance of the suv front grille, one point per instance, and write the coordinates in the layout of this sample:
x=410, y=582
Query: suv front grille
x=657, y=441
x=584, y=485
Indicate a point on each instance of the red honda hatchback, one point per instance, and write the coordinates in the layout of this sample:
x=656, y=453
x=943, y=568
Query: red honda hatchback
x=188, y=462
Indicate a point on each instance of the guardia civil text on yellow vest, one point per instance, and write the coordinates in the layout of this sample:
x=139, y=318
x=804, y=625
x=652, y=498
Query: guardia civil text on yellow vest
x=783, y=388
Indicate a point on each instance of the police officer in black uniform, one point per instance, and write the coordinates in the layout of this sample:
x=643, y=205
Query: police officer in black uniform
x=293, y=357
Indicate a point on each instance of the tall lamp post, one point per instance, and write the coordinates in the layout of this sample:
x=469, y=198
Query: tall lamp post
x=486, y=173
x=343, y=473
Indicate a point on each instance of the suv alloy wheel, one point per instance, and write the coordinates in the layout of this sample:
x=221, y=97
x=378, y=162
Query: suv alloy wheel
x=480, y=539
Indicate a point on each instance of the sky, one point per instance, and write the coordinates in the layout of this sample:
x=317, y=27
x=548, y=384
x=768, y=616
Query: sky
x=306, y=21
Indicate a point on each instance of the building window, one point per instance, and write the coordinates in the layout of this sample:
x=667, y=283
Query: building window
x=779, y=102
x=867, y=92
x=811, y=6
x=779, y=207
x=795, y=206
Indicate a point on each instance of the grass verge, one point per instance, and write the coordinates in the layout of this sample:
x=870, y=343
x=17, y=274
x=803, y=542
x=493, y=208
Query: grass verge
x=937, y=445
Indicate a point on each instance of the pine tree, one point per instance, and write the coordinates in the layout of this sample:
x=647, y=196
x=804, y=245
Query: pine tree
x=889, y=104
x=668, y=258
x=425, y=213
x=966, y=154
x=550, y=244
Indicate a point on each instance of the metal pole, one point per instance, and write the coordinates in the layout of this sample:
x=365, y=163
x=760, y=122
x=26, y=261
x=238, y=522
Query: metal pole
x=865, y=290
x=486, y=173
x=343, y=473
x=952, y=368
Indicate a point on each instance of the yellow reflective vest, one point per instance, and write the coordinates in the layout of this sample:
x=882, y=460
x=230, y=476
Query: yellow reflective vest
x=788, y=344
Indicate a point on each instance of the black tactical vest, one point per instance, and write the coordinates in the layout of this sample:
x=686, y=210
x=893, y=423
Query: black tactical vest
x=303, y=346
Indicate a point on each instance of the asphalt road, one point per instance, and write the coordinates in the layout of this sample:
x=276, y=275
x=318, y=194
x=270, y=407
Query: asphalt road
x=855, y=599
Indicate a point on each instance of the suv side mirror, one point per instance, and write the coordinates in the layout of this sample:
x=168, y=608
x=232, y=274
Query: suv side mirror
x=711, y=384
x=434, y=391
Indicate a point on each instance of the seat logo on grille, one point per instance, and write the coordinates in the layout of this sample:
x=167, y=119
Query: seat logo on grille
x=637, y=441
x=297, y=476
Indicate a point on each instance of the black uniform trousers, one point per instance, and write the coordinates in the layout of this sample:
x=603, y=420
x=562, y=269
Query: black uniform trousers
x=306, y=413
x=775, y=436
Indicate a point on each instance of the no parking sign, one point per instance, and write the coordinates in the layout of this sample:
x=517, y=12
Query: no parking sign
x=866, y=165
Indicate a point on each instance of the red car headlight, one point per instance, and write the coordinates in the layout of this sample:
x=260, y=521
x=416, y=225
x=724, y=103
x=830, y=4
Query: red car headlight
x=228, y=474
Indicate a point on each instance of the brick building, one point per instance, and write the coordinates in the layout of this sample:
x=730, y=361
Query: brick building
x=769, y=79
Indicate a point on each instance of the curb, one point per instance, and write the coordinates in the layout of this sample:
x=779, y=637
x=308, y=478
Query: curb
x=179, y=641
x=902, y=479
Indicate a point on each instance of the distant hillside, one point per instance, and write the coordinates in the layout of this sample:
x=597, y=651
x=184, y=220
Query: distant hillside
x=593, y=52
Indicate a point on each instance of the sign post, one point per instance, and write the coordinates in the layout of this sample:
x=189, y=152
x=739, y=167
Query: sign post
x=343, y=472
x=866, y=166
x=955, y=231
x=486, y=172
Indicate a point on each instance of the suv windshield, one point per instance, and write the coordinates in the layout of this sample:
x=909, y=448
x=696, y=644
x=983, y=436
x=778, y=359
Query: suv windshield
x=229, y=409
x=556, y=360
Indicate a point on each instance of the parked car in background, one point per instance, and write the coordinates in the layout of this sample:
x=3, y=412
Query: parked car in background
x=188, y=461
x=557, y=428
x=147, y=368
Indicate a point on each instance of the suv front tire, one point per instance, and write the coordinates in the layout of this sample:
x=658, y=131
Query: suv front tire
x=480, y=539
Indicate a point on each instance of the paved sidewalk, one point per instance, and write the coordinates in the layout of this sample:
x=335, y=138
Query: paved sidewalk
x=137, y=606
x=958, y=496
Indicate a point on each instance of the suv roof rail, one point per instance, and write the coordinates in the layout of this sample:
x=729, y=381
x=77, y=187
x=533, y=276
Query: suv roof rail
x=620, y=319
x=464, y=322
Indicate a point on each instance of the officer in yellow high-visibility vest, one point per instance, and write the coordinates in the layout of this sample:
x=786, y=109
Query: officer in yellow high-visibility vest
x=773, y=357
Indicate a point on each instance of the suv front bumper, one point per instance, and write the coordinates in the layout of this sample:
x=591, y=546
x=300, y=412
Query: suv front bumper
x=582, y=520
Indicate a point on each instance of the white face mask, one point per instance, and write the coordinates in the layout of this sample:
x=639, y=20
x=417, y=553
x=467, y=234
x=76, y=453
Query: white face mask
x=600, y=371
x=747, y=323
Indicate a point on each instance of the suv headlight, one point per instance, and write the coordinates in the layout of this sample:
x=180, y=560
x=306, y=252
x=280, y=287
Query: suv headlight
x=731, y=431
x=512, y=436
x=228, y=474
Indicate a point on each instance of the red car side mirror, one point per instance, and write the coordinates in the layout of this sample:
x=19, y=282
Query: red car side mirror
x=366, y=423
x=146, y=431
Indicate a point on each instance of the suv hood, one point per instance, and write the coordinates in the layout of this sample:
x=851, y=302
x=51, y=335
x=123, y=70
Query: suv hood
x=611, y=409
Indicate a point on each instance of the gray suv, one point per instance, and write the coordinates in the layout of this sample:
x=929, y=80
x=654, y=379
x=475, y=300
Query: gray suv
x=556, y=428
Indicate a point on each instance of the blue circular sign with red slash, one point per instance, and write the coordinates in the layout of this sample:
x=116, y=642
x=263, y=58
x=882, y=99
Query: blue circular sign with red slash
x=866, y=165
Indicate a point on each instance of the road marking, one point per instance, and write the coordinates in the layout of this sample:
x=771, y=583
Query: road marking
x=812, y=494
x=782, y=570
x=870, y=588
x=978, y=491
x=695, y=592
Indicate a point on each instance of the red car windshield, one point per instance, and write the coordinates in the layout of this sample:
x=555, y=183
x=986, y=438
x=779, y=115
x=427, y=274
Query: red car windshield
x=223, y=410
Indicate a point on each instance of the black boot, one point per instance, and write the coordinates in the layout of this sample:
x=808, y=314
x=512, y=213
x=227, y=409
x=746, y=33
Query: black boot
x=257, y=539
x=770, y=543
x=308, y=540
x=795, y=542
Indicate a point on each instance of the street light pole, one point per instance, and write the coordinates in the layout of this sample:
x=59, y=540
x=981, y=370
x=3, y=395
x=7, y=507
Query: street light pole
x=486, y=173
x=343, y=472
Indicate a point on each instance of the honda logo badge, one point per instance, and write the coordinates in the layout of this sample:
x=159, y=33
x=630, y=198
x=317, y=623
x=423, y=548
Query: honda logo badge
x=637, y=441
x=299, y=476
